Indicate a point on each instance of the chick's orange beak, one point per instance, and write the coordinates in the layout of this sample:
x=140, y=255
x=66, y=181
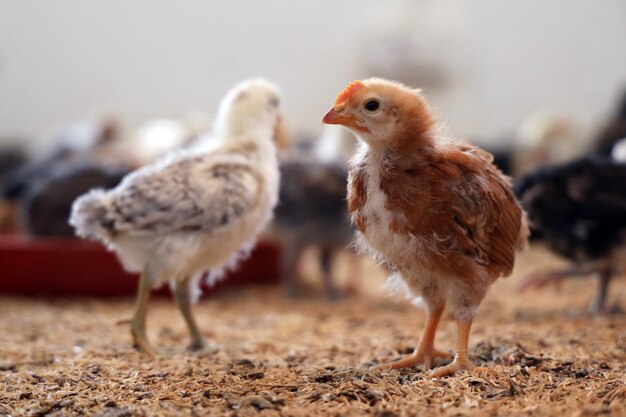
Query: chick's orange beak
x=334, y=117
x=282, y=135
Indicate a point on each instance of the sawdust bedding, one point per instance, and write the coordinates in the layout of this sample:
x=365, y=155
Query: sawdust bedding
x=277, y=357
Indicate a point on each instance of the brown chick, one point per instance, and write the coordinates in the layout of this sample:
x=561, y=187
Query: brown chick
x=436, y=212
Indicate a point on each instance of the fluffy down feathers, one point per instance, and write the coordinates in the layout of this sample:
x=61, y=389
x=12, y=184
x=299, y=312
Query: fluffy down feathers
x=195, y=210
x=426, y=205
x=190, y=192
x=449, y=214
x=436, y=212
x=578, y=208
x=88, y=213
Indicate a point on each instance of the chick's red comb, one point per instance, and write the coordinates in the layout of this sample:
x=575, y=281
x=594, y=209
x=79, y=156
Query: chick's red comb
x=347, y=94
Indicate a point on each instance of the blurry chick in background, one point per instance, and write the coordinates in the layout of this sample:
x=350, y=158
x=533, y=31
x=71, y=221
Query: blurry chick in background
x=579, y=210
x=11, y=158
x=66, y=153
x=90, y=139
x=193, y=211
x=158, y=137
x=435, y=212
x=47, y=204
x=545, y=137
x=311, y=212
x=619, y=151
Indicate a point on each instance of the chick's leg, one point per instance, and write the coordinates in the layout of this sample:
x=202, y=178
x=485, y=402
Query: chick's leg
x=538, y=280
x=425, y=352
x=599, y=304
x=182, y=293
x=138, y=322
x=461, y=360
x=327, y=254
x=292, y=252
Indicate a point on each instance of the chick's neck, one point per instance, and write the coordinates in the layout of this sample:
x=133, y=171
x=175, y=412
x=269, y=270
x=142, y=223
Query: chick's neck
x=233, y=126
x=406, y=144
x=250, y=135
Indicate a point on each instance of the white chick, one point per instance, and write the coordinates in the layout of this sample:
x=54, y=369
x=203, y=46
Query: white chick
x=91, y=138
x=619, y=151
x=158, y=137
x=193, y=211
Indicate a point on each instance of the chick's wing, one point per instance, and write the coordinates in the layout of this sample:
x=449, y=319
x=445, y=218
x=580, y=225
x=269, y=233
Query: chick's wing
x=485, y=218
x=185, y=196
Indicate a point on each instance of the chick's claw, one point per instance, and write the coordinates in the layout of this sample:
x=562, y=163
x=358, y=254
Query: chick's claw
x=140, y=342
x=453, y=368
x=426, y=358
x=196, y=345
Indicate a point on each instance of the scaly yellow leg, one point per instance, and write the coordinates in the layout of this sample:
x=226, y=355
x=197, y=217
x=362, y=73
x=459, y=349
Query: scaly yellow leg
x=138, y=322
x=425, y=352
x=183, y=300
x=461, y=360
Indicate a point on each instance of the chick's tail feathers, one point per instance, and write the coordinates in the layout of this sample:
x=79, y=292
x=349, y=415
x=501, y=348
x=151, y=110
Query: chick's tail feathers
x=89, y=215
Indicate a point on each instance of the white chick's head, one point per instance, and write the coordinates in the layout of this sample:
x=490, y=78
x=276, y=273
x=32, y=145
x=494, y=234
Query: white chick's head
x=382, y=113
x=251, y=107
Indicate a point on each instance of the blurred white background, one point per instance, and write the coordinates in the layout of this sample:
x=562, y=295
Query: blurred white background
x=485, y=64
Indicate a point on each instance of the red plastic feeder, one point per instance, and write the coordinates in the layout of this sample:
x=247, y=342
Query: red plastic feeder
x=71, y=267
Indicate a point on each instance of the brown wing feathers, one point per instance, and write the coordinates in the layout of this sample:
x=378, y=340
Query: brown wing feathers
x=457, y=194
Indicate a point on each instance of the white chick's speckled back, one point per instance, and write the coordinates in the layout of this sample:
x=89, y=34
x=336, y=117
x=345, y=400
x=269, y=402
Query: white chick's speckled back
x=195, y=210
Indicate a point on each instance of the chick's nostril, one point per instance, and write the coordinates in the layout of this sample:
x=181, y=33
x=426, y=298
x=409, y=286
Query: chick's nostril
x=332, y=117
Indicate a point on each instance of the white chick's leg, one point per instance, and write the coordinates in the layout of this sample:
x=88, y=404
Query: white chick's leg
x=182, y=293
x=138, y=322
x=425, y=352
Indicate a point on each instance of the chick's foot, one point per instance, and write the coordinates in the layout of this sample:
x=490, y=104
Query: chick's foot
x=196, y=345
x=424, y=357
x=455, y=366
x=140, y=341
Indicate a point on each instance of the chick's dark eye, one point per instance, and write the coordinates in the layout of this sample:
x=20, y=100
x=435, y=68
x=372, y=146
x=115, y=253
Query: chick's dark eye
x=274, y=102
x=372, y=105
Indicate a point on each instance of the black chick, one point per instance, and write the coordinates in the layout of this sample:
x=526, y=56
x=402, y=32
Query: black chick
x=579, y=209
x=46, y=203
x=311, y=211
x=17, y=184
x=11, y=158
